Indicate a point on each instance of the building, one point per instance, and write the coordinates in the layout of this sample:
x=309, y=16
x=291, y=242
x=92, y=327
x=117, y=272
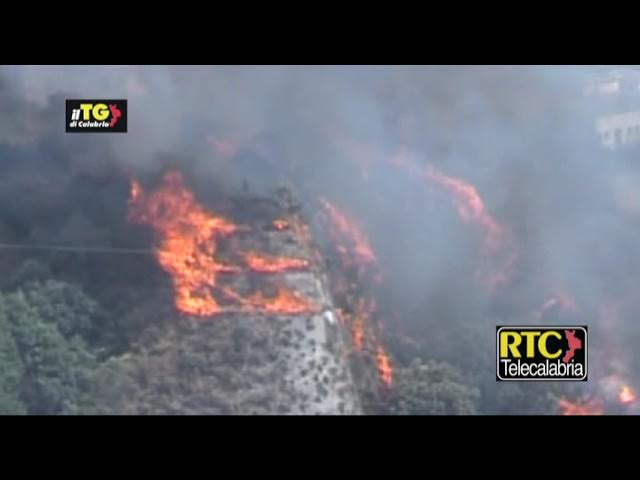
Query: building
x=618, y=130
x=615, y=96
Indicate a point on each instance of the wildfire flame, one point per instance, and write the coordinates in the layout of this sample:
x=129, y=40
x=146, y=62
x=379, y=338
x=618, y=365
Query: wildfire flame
x=270, y=264
x=471, y=209
x=627, y=395
x=187, y=241
x=280, y=224
x=586, y=407
x=357, y=257
x=358, y=333
x=285, y=301
x=470, y=206
x=384, y=366
x=136, y=191
x=360, y=320
x=187, y=251
x=348, y=236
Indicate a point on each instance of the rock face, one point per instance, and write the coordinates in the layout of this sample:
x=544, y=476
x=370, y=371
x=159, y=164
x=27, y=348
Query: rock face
x=255, y=357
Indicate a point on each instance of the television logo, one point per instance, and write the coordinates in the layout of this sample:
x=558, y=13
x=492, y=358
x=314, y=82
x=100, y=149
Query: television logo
x=541, y=353
x=96, y=116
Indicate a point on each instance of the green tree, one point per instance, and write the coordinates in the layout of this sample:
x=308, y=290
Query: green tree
x=11, y=371
x=55, y=367
x=63, y=305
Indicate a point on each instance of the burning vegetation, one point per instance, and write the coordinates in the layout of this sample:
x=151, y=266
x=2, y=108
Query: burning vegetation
x=589, y=406
x=187, y=245
x=353, y=284
x=272, y=264
x=188, y=251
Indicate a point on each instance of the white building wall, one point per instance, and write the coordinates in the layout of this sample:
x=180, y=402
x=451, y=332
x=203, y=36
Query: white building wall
x=617, y=130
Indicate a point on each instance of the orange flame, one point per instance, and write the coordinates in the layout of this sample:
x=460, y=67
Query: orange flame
x=187, y=241
x=347, y=231
x=280, y=224
x=136, y=191
x=360, y=319
x=187, y=251
x=586, y=407
x=471, y=209
x=470, y=206
x=358, y=333
x=270, y=264
x=356, y=252
x=384, y=366
x=285, y=301
x=627, y=395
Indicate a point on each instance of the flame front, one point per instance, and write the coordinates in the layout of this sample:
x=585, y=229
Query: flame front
x=349, y=239
x=358, y=263
x=187, y=251
x=285, y=302
x=384, y=366
x=586, y=407
x=271, y=264
x=470, y=206
x=187, y=241
x=497, y=242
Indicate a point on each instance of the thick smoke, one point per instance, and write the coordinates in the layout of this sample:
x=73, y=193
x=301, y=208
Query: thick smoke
x=523, y=136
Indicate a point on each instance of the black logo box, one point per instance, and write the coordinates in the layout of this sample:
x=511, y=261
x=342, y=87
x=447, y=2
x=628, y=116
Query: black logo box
x=582, y=353
x=119, y=127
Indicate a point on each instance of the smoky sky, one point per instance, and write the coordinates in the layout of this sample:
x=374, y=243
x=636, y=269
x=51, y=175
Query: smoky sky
x=524, y=136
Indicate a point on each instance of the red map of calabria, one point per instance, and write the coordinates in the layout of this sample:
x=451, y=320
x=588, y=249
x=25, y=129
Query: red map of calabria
x=115, y=115
x=574, y=344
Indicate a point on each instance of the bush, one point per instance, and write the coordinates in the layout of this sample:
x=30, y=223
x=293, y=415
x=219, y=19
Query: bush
x=431, y=388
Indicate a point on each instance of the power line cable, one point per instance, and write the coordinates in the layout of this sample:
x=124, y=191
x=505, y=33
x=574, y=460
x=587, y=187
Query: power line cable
x=63, y=248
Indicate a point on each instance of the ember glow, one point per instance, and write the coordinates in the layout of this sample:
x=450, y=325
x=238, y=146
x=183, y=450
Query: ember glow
x=627, y=395
x=590, y=406
x=187, y=241
x=271, y=264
